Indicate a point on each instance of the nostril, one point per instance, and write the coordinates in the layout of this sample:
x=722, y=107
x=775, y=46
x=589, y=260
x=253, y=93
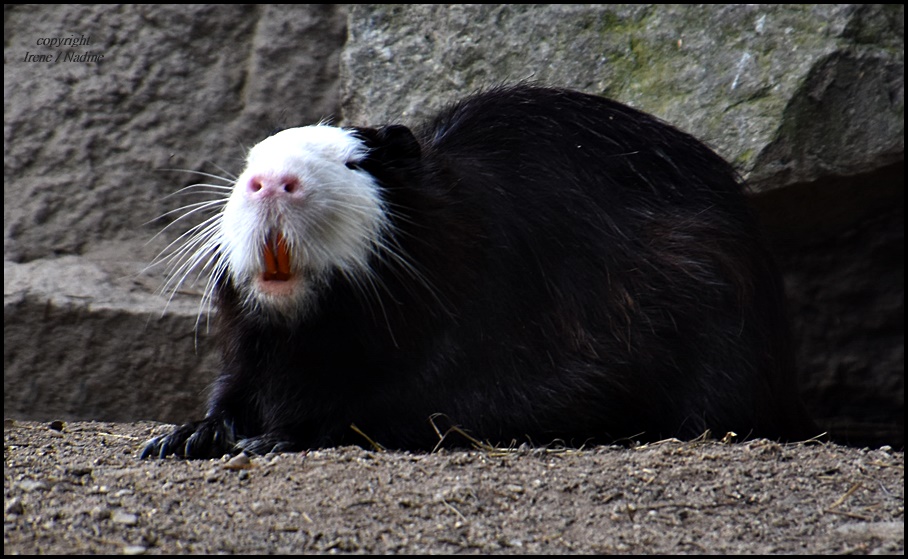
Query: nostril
x=291, y=186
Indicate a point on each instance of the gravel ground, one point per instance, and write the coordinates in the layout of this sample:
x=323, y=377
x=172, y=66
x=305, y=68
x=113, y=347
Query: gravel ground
x=80, y=488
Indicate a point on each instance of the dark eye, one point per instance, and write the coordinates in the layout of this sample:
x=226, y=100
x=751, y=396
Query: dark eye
x=354, y=166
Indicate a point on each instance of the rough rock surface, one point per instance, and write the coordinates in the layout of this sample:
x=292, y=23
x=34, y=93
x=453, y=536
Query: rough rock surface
x=772, y=87
x=79, y=488
x=177, y=87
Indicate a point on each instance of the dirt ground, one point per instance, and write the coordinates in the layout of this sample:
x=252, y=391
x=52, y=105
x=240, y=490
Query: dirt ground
x=80, y=488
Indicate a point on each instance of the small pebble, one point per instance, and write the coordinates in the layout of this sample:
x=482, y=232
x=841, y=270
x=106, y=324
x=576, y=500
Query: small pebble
x=239, y=462
x=14, y=506
x=126, y=518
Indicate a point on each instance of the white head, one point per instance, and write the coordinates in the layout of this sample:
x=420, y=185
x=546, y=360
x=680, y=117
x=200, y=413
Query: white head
x=300, y=212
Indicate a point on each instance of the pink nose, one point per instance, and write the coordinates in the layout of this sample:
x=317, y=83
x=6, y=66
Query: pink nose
x=267, y=186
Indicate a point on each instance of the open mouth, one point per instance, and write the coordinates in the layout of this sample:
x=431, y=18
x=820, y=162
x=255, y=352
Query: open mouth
x=277, y=258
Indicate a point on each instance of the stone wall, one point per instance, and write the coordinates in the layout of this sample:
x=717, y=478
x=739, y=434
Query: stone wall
x=806, y=101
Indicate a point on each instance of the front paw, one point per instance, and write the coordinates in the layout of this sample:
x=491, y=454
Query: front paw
x=210, y=438
x=263, y=444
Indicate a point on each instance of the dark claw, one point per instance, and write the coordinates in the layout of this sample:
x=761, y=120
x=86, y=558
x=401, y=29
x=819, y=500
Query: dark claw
x=198, y=445
x=151, y=448
x=165, y=448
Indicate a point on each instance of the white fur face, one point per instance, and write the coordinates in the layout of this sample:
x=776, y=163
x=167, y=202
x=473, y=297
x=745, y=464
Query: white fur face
x=297, y=185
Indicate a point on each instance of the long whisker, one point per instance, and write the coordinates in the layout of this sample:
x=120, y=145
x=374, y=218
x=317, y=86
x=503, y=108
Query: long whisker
x=229, y=178
x=196, y=252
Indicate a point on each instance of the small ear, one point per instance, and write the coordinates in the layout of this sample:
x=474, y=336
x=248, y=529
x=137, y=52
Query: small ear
x=392, y=145
x=399, y=142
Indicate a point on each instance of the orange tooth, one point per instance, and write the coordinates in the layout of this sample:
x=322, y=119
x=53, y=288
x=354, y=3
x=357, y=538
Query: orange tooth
x=277, y=258
x=283, y=257
x=270, y=266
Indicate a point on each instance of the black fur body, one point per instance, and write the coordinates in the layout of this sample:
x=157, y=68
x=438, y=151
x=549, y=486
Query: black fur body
x=584, y=274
